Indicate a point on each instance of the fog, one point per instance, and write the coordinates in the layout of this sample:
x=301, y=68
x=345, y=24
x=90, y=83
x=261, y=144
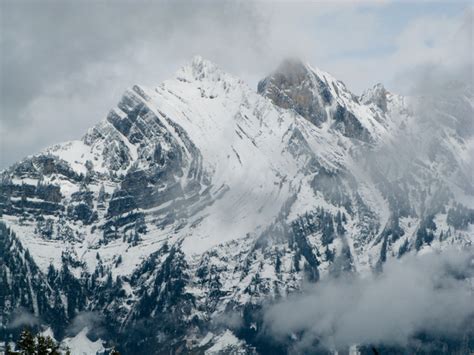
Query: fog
x=93, y=321
x=424, y=293
x=21, y=317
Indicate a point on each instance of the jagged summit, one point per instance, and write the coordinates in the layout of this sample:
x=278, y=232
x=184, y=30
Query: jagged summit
x=376, y=95
x=291, y=70
x=296, y=71
x=294, y=85
x=200, y=69
x=321, y=99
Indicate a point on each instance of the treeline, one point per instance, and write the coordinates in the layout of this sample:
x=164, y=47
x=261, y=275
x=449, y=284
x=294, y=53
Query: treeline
x=460, y=217
x=29, y=344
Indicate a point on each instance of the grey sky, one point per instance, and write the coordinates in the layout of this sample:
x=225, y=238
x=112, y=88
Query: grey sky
x=64, y=64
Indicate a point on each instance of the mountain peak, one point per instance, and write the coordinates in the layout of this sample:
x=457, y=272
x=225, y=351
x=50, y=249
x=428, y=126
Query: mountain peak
x=199, y=63
x=293, y=67
x=376, y=95
x=199, y=69
x=295, y=71
x=297, y=85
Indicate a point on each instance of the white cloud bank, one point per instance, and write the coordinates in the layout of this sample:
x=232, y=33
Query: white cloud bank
x=425, y=293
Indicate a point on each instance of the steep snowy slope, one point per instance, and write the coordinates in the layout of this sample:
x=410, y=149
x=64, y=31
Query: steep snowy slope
x=199, y=200
x=202, y=150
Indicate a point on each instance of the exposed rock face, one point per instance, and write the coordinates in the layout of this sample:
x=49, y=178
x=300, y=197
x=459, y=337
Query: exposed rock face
x=315, y=95
x=201, y=201
x=294, y=85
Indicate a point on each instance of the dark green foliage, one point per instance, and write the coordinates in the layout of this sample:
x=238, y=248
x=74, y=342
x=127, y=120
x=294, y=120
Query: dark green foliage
x=460, y=217
x=296, y=260
x=392, y=230
x=164, y=305
x=73, y=290
x=101, y=197
x=311, y=274
x=331, y=186
x=140, y=225
x=403, y=248
x=383, y=254
x=339, y=220
x=26, y=343
x=29, y=286
x=327, y=229
x=44, y=227
x=390, y=234
x=82, y=212
x=312, y=223
x=278, y=263
x=46, y=346
x=319, y=220
x=8, y=350
x=329, y=254
x=425, y=232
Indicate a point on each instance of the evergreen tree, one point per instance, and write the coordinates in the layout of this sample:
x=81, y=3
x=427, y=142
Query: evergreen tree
x=327, y=228
x=278, y=263
x=52, y=274
x=340, y=229
x=46, y=346
x=109, y=281
x=26, y=343
x=403, y=248
x=329, y=254
x=8, y=349
x=140, y=225
x=296, y=260
x=101, y=196
x=309, y=273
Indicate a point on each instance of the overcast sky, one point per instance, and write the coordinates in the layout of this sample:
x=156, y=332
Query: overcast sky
x=64, y=64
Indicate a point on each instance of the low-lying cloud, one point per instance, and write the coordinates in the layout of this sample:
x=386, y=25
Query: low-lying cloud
x=21, y=317
x=93, y=321
x=425, y=293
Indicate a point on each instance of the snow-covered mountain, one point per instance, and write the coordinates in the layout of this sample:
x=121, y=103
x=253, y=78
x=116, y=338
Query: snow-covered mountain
x=195, y=203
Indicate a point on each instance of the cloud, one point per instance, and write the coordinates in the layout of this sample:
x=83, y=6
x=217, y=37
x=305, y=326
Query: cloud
x=443, y=50
x=93, y=321
x=424, y=293
x=22, y=317
x=426, y=42
x=65, y=64
x=229, y=320
x=440, y=86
